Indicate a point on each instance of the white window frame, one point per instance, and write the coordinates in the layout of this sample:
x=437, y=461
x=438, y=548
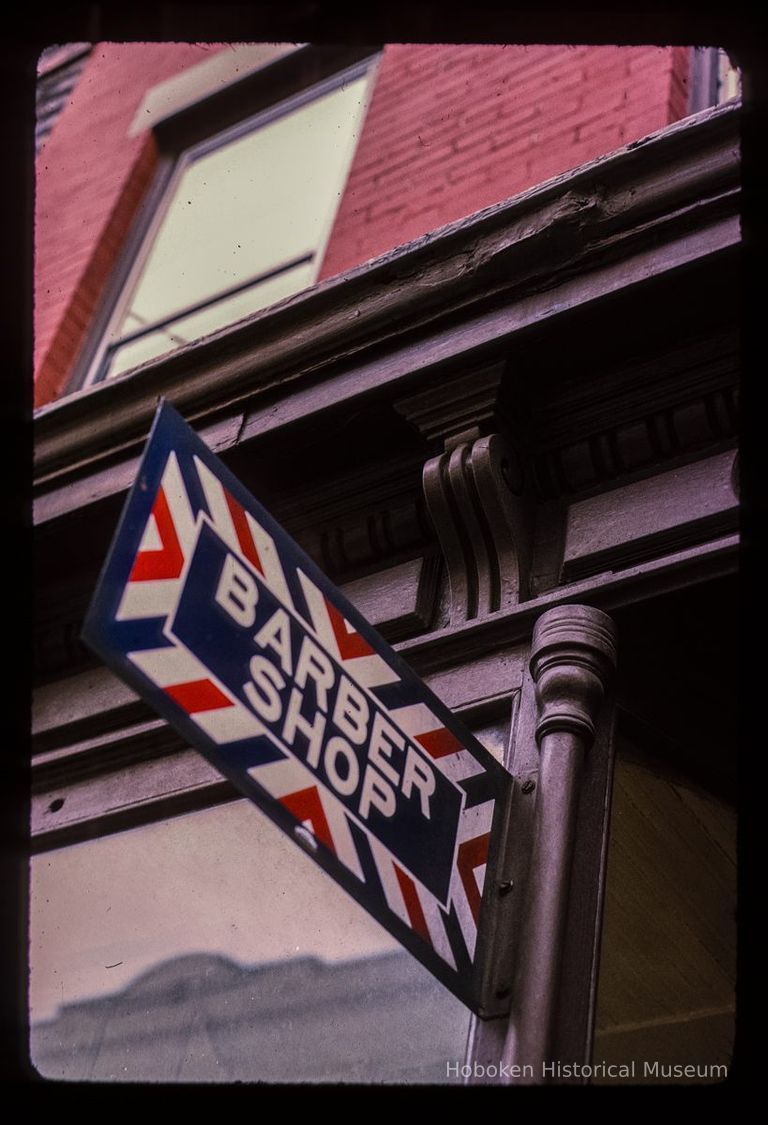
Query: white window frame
x=92, y=365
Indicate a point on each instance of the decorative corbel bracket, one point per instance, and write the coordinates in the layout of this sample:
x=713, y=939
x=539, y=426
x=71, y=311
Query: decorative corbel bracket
x=474, y=494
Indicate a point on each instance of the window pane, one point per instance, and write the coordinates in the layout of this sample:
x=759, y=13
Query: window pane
x=250, y=205
x=209, y=320
x=667, y=968
x=208, y=947
x=728, y=78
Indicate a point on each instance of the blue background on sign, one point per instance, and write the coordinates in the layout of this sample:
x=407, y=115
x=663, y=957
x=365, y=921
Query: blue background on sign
x=424, y=846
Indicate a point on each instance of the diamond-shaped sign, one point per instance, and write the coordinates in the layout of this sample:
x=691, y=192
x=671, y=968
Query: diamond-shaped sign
x=211, y=612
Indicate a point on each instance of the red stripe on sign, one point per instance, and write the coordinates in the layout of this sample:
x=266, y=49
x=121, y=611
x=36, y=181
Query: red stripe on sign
x=350, y=643
x=167, y=562
x=471, y=855
x=243, y=531
x=439, y=743
x=305, y=804
x=198, y=695
x=412, y=904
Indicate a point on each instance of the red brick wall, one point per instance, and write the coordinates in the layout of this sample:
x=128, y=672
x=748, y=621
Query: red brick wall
x=678, y=95
x=452, y=129
x=91, y=177
x=449, y=130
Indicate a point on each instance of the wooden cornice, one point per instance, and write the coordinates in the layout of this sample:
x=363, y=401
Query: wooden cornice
x=622, y=220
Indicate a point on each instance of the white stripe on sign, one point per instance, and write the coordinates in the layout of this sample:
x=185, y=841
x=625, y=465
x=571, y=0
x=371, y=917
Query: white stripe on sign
x=415, y=719
x=169, y=666
x=338, y=823
x=320, y=623
x=434, y=918
x=384, y=865
x=178, y=505
x=217, y=505
x=273, y=573
x=150, y=540
x=459, y=766
x=370, y=671
x=280, y=778
x=476, y=821
x=157, y=597
x=229, y=724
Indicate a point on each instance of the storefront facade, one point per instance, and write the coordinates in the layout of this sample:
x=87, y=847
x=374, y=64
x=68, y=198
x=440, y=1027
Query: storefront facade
x=529, y=408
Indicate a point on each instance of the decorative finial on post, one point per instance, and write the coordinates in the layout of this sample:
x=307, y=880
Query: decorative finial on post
x=572, y=657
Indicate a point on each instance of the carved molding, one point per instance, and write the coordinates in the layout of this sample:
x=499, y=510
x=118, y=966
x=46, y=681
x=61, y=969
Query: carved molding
x=482, y=526
x=456, y=411
x=400, y=602
x=646, y=417
x=362, y=521
x=654, y=516
x=375, y=538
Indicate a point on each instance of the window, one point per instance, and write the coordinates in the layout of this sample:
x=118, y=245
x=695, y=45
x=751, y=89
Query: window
x=209, y=947
x=668, y=964
x=242, y=221
x=238, y=960
x=728, y=78
x=713, y=78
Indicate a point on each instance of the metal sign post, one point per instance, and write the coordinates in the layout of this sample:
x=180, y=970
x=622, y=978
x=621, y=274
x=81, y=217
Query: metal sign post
x=572, y=657
x=209, y=610
x=560, y=757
